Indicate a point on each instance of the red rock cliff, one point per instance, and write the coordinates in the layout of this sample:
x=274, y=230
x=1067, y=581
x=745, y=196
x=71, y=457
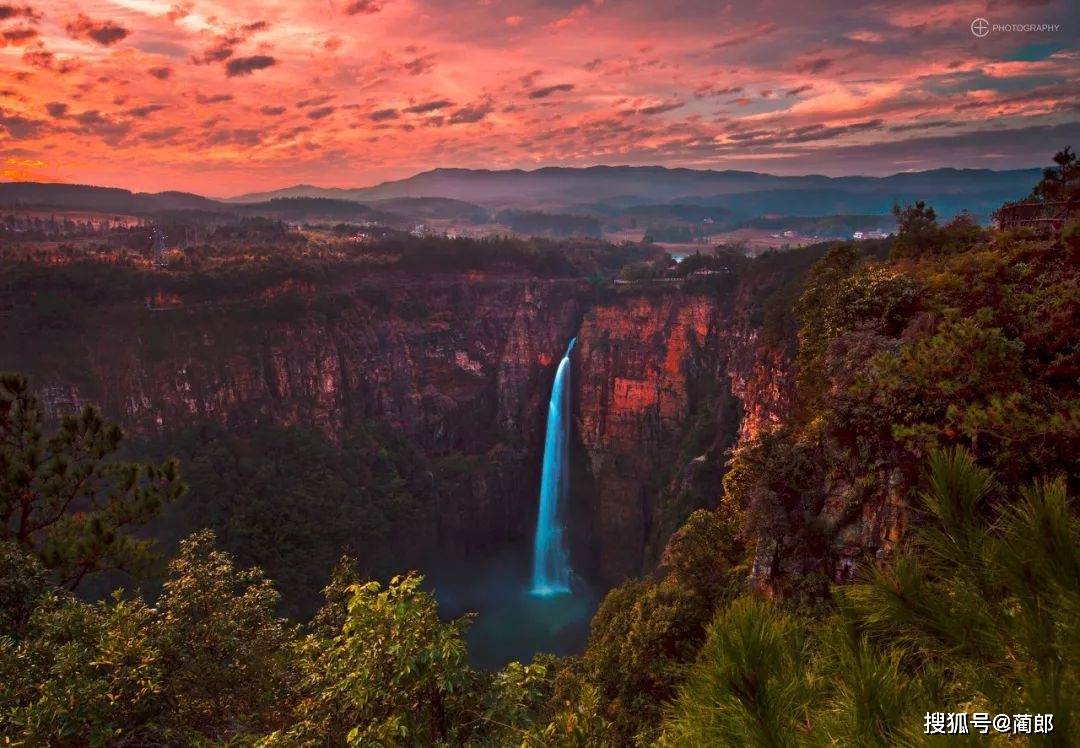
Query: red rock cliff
x=665, y=381
x=654, y=369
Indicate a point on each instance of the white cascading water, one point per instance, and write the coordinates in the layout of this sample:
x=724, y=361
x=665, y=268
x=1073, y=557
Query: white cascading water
x=551, y=564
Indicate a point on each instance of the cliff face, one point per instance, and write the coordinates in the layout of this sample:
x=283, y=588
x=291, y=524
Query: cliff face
x=665, y=384
x=460, y=365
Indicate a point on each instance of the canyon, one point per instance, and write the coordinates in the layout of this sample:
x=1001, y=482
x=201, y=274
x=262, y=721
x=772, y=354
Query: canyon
x=666, y=381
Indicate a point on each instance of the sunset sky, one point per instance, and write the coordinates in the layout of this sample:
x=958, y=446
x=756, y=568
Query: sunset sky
x=231, y=96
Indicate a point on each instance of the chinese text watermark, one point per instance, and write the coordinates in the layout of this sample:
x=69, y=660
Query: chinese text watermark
x=962, y=723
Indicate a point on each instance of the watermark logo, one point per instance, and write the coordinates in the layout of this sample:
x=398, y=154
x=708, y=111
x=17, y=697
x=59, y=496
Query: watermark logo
x=980, y=27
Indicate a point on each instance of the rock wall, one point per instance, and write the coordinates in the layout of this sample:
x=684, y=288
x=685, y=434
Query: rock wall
x=461, y=365
x=666, y=381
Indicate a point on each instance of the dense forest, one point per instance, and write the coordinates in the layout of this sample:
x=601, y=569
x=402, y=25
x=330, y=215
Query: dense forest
x=549, y=224
x=944, y=375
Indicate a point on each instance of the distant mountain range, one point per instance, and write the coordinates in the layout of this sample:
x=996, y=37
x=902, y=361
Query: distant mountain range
x=105, y=199
x=394, y=212
x=474, y=195
x=604, y=188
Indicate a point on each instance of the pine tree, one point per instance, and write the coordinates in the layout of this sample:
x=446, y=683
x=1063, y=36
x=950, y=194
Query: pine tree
x=65, y=497
x=1060, y=182
x=750, y=685
x=990, y=591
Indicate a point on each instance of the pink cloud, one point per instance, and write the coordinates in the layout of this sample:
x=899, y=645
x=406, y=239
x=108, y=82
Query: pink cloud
x=418, y=86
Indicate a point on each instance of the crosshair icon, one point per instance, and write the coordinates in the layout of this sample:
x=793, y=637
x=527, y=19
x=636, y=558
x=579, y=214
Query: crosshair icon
x=980, y=27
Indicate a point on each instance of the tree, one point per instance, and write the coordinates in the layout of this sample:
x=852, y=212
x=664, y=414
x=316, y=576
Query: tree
x=393, y=674
x=700, y=556
x=961, y=234
x=512, y=700
x=917, y=230
x=1061, y=182
x=988, y=591
x=641, y=641
x=82, y=674
x=228, y=661
x=978, y=613
x=576, y=719
x=838, y=264
x=65, y=497
x=749, y=686
x=210, y=662
x=23, y=582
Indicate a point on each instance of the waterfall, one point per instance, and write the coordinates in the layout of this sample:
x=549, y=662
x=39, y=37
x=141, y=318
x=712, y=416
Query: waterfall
x=551, y=565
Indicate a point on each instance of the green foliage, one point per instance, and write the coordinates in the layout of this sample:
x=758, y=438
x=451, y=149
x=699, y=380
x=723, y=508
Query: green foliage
x=917, y=230
x=23, y=582
x=641, y=640
x=920, y=235
x=866, y=693
x=82, y=674
x=229, y=661
x=961, y=234
x=549, y=224
x=212, y=664
x=967, y=384
x=210, y=661
x=513, y=699
x=990, y=593
x=394, y=674
x=749, y=685
x=975, y=347
x=774, y=482
x=290, y=501
x=65, y=497
x=837, y=265
x=576, y=720
x=646, y=632
x=1061, y=181
x=701, y=556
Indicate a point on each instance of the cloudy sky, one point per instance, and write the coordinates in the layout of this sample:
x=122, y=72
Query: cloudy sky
x=229, y=96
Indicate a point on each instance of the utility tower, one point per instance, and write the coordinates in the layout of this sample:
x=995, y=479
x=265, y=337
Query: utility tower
x=159, y=246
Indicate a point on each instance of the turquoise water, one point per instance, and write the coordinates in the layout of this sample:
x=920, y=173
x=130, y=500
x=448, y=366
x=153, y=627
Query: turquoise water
x=511, y=622
x=551, y=563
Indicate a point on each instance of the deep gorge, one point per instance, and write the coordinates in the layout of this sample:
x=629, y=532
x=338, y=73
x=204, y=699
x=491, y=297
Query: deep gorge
x=470, y=377
x=665, y=382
